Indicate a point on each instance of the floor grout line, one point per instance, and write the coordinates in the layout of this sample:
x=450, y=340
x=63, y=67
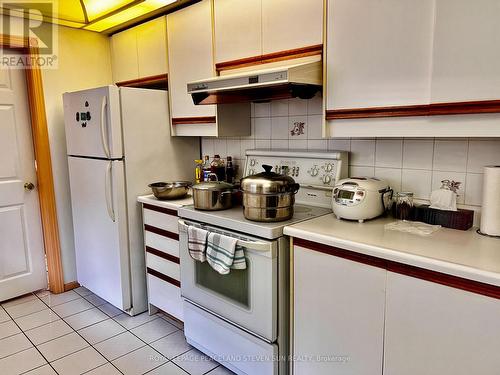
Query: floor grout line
x=81, y=349
x=145, y=344
x=34, y=346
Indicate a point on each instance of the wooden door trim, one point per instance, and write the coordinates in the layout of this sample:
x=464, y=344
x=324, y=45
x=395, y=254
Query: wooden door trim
x=41, y=147
x=434, y=109
x=436, y=277
x=270, y=57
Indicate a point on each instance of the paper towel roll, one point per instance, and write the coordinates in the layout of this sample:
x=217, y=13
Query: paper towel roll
x=490, y=210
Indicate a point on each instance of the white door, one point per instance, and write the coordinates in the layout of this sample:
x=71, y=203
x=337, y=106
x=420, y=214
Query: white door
x=92, y=123
x=22, y=258
x=102, y=260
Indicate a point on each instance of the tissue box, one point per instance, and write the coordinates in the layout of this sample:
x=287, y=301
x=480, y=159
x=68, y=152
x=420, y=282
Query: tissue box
x=461, y=219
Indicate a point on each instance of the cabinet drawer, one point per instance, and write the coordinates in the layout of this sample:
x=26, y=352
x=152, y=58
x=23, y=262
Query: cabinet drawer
x=165, y=296
x=164, y=266
x=165, y=219
x=161, y=243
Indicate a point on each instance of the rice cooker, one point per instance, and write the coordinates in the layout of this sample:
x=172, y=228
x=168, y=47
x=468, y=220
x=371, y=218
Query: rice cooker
x=361, y=198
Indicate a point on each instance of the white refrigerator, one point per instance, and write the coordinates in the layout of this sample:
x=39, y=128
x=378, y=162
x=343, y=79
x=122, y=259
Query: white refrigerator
x=118, y=141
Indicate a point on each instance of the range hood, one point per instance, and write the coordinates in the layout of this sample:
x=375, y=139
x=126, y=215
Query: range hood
x=300, y=80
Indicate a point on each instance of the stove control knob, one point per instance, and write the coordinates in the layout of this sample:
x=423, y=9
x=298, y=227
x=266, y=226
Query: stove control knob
x=251, y=172
x=314, y=171
x=328, y=167
x=297, y=172
x=327, y=179
x=252, y=162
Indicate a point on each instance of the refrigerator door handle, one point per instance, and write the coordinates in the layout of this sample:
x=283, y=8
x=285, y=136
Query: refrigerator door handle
x=109, y=191
x=104, y=130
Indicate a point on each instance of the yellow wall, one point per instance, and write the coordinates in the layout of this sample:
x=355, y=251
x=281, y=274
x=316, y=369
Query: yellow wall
x=84, y=62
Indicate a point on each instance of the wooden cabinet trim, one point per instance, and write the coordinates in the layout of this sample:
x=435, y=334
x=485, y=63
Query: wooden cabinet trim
x=161, y=232
x=456, y=282
x=270, y=57
x=162, y=255
x=163, y=277
x=157, y=80
x=193, y=120
x=435, y=109
x=163, y=210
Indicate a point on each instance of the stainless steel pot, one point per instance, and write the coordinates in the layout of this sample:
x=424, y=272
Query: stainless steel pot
x=268, y=196
x=212, y=196
x=170, y=190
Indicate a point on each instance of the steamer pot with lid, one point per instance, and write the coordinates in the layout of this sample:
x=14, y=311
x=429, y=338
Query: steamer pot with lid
x=268, y=196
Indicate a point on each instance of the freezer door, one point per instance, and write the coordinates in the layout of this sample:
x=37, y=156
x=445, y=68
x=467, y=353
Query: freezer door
x=92, y=122
x=100, y=221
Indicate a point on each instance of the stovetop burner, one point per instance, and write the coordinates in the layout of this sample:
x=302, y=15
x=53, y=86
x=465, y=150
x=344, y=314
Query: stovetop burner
x=235, y=220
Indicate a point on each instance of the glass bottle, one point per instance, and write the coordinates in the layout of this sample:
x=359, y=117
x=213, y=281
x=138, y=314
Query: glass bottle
x=217, y=166
x=404, y=208
x=206, y=168
x=198, y=171
x=230, y=172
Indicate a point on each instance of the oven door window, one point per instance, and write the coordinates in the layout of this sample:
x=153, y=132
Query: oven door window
x=235, y=286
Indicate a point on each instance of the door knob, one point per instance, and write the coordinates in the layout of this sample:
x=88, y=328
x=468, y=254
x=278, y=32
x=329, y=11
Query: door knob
x=28, y=186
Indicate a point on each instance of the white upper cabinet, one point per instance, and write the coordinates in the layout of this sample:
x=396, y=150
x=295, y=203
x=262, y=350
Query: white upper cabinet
x=249, y=28
x=124, y=59
x=152, y=48
x=434, y=329
x=338, y=311
x=291, y=24
x=140, y=52
x=378, y=53
x=238, y=29
x=190, y=57
x=466, y=51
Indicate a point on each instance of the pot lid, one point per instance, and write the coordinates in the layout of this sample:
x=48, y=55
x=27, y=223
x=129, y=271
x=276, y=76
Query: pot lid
x=268, y=182
x=213, y=186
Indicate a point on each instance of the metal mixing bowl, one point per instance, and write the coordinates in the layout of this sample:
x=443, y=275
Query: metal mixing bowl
x=170, y=190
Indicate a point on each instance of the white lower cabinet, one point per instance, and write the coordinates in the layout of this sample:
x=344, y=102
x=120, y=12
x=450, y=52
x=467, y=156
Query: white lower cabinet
x=434, y=329
x=352, y=316
x=161, y=242
x=338, y=315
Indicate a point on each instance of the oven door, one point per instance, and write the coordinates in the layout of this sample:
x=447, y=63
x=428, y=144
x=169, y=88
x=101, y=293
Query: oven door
x=247, y=298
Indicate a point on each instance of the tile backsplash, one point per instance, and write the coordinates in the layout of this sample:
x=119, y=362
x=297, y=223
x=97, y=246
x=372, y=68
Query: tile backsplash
x=409, y=164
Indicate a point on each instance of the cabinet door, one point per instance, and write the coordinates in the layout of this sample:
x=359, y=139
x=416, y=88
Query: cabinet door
x=189, y=35
x=290, y=24
x=152, y=48
x=338, y=311
x=437, y=330
x=238, y=29
x=378, y=53
x=124, y=56
x=466, y=51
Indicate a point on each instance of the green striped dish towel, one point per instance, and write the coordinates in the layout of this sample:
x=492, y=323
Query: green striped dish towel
x=223, y=253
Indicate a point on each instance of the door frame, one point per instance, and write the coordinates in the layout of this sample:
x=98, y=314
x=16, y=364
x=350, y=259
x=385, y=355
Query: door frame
x=41, y=147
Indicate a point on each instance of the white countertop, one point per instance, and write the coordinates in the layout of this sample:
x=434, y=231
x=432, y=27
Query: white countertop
x=171, y=204
x=460, y=253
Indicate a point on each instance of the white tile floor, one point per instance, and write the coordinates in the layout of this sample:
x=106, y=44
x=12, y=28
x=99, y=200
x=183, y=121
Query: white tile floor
x=79, y=333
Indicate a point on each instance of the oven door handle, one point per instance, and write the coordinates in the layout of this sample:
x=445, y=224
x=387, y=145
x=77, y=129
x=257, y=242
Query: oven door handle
x=249, y=245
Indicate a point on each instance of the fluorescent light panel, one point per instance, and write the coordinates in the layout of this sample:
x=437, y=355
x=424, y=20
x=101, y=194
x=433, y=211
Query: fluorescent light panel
x=125, y=15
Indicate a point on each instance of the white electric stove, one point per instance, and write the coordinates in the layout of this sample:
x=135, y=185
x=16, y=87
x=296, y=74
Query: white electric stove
x=242, y=319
